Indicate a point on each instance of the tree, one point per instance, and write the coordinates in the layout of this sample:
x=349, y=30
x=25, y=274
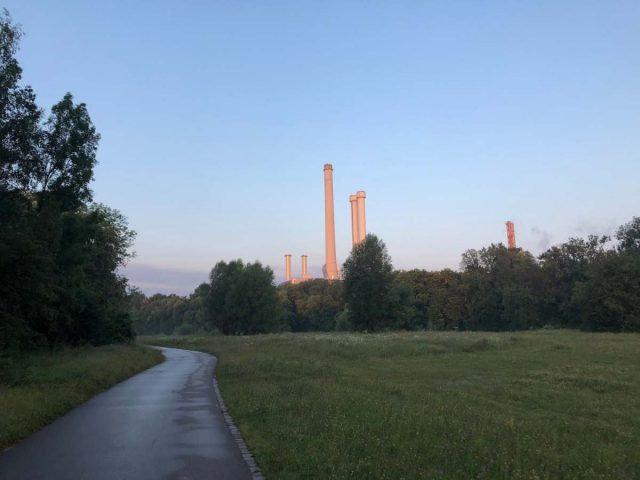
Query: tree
x=91, y=297
x=368, y=282
x=243, y=298
x=252, y=304
x=198, y=302
x=67, y=155
x=482, y=299
x=606, y=297
x=628, y=236
x=502, y=289
x=609, y=297
x=27, y=269
x=59, y=253
x=311, y=305
x=562, y=266
x=437, y=298
x=19, y=115
x=222, y=278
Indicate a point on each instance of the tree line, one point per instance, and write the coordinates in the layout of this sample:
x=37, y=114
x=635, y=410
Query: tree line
x=59, y=251
x=588, y=283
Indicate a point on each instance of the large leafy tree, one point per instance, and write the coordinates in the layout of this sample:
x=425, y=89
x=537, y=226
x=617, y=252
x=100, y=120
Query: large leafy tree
x=222, y=278
x=368, y=285
x=628, y=236
x=56, y=156
x=502, y=289
x=609, y=298
x=20, y=117
x=91, y=298
x=243, y=298
x=67, y=155
x=562, y=266
x=59, y=253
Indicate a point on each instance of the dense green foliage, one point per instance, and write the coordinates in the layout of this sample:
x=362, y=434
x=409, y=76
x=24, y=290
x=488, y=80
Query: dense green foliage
x=439, y=405
x=312, y=305
x=169, y=314
x=239, y=299
x=243, y=298
x=437, y=298
x=58, y=251
x=368, y=282
x=590, y=284
x=37, y=387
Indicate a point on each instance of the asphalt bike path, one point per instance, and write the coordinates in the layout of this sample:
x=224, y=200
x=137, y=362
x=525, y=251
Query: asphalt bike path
x=163, y=423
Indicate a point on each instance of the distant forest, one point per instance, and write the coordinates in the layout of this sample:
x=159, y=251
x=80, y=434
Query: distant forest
x=585, y=283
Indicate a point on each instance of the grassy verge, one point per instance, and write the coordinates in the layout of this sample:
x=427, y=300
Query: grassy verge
x=549, y=404
x=38, y=387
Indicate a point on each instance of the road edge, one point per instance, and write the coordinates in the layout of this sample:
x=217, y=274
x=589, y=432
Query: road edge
x=235, y=433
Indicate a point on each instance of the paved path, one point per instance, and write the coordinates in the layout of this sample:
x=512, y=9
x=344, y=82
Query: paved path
x=164, y=423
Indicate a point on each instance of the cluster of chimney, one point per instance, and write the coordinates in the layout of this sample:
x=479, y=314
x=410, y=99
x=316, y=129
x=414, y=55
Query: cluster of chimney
x=330, y=270
x=358, y=223
x=304, y=274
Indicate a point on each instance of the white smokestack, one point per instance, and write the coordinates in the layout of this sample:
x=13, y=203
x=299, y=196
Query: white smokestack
x=287, y=267
x=362, y=225
x=355, y=235
x=330, y=268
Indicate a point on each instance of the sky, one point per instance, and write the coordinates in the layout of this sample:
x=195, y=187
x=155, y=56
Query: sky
x=217, y=117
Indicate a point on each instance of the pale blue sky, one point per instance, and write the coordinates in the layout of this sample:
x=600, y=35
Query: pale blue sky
x=217, y=117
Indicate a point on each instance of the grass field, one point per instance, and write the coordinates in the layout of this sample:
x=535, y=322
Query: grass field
x=547, y=404
x=37, y=388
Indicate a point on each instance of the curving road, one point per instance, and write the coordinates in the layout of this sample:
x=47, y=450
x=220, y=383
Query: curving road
x=163, y=423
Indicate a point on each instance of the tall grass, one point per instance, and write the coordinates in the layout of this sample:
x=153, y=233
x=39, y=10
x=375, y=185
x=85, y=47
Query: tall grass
x=38, y=387
x=548, y=404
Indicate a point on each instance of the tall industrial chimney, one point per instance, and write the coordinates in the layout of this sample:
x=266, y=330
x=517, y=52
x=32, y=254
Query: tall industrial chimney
x=305, y=268
x=362, y=226
x=511, y=235
x=330, y=268
x=287, y=267
x=355, y=236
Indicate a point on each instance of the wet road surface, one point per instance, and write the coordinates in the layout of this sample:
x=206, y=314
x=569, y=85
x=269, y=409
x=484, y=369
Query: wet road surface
x=164, y=423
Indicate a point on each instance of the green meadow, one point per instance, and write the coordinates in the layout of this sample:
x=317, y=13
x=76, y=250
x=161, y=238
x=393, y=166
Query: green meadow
x=545, y=404
x=38, y=387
